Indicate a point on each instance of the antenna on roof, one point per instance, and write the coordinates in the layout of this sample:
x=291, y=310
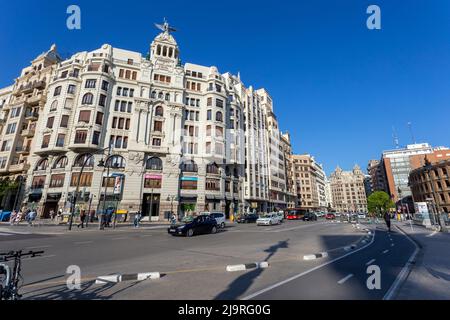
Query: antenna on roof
x=395, y=137
x=412, y=132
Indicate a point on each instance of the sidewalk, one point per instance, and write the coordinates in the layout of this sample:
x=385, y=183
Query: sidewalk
x=430, y=277
x=49, y=227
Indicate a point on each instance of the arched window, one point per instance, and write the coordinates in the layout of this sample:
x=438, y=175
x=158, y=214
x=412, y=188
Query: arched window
x=212, y=168
x=154, y=164
x=167, y=97
x=227, y=171
x=189, y=166
x=158, y=50
x=81, y=159
x=117, y=162
x=60, y=163
x=88, y=98
x=165, y=51
x=160, y=96
x=42, y=165
x=159, y=112
x=54, y=105
x=171, y=52
x=236, y=172
x=153, y=95
x=219, y=116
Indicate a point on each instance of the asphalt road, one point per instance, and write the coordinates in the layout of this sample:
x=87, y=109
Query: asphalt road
x=195, y=268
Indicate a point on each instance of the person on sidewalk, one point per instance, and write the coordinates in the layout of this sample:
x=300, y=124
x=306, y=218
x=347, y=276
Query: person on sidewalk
x=137, y=219
x=387, y=218
x=13, y=217
x=82, y=219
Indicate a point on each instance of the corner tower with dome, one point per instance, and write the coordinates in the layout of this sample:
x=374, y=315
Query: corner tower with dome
x=183, y=138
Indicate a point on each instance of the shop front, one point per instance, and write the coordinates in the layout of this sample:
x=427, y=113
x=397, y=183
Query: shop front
x=51, y=204
x=188, y=206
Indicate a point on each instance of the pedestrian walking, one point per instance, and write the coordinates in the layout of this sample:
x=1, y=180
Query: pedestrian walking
x=173, y=220
x=387, y=218
x=82, y=219
x=137, y=219
x=31, y=217
x=13, y=217
x=52, y=215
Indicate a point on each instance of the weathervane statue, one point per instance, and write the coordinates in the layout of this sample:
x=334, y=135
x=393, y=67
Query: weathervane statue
x=166, y=28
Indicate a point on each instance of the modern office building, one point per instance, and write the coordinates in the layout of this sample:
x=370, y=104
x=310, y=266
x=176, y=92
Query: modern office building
x=348, y=191
x=397, y=167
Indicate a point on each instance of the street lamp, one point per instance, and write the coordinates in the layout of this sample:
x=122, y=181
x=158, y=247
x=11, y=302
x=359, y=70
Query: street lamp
x=171, y=199
x=85, y=163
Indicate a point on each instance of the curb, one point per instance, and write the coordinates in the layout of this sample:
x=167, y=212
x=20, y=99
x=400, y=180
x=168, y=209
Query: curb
x=128, y=277
x=404, y=273
x=315, y=256
x=250, y=266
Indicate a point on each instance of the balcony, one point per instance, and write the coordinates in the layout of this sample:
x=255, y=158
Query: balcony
x=28, y=133
x=24, y=150
x=34, y=100
x=32, y=116
x=40, y=85
x=20, y=167
x=27, y=89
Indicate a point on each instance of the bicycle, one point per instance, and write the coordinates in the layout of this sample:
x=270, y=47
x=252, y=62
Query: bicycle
x=9, y=279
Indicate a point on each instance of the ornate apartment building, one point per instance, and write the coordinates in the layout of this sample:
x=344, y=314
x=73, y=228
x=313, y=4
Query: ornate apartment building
x=348, y=190
x=22, y=108
x=147, y=133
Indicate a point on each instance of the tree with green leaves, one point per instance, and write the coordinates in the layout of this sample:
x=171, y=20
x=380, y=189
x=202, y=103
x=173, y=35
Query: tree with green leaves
x=7, y=186
x=379, y=202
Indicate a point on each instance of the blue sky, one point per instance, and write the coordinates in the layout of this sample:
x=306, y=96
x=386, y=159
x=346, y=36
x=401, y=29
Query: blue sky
x=338, y=87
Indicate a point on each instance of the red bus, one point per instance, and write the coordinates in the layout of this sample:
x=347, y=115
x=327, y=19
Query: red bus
x=295, y=214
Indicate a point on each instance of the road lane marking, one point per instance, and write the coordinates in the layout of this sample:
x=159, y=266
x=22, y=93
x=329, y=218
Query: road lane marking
x=38, y=247
x=370, y=262
x=392, y=245
x=385, y=251
x=279, y=284
x=116, y=239
x=431, y=235
x=345, y=279
x=84, y=242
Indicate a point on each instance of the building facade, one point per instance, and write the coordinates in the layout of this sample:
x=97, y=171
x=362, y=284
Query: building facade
x=21, y=114
x=348, y=191
x=151, y=134
x=377, y=174
x=305, y=168
x=432, y=183
x=291, y=195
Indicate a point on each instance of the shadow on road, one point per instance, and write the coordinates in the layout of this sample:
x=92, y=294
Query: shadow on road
x=88, y=291
x=239, y=286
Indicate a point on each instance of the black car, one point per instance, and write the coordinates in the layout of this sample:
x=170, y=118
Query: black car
x=248, y=218
x=194, y=226
x=310, y=217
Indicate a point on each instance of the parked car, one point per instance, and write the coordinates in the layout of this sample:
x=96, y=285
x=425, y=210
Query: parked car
x=362, y=216
x=281, y=216
x=330, y=216
x=310, y=217
x=189, y=227
x=247, y=218
x=220, y=218
x=5, y=215
x=269, y=219
x=294, y=214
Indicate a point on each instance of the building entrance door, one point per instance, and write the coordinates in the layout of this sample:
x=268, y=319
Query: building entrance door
x=151, y=205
